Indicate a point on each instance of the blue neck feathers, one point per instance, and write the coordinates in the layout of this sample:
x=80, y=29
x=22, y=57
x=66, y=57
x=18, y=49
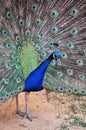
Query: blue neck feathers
x=34, y=80
x=44, y=65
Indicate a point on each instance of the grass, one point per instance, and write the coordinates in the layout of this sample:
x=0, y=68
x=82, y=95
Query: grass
x=78, y=122
x=73, y=108
x=64, y=127
x=72, y=121
x=22, y=125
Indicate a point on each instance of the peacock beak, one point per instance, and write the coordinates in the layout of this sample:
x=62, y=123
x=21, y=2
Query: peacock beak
x=54, y=56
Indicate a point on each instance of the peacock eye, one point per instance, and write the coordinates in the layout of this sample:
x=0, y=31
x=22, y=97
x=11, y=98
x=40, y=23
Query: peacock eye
x=27, y=33
x=17, y=66
x=8, y=46
x=51, y=44
x=75, y=90
x=18, y=80
x=37, y=48
x=74, y=31
x=19, y=48
x=4, y=33
x=7, y=95
x=53, y=63
x=53, y=14
x=13, y=56
x=68, y=91
x=79, y=62
x=1, y=99
x=83, y=92
x=59, y=74
x=7, y=65
x=38, y=22
x=11, y=94
x=70, y=45
x=19, y=88
x=54, y=30
x=64, y=56
x=34, y=7
x=60, y=88
x=9, y=15
x=38, y=38
x=43, y=54
x=82, y=77
x=56, y=88
x=18, y=39
x=69, y=72
x=6, y=81
x=74, y=12
x=21, y=22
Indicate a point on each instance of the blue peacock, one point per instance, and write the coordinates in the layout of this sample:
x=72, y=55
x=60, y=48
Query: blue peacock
x=42, y=46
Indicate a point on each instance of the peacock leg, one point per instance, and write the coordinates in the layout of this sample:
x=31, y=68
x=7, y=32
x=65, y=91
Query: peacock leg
x=17, y=108
x=27, y=114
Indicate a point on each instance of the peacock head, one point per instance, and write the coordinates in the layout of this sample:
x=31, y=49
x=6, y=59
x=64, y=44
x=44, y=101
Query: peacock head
x=56, y=55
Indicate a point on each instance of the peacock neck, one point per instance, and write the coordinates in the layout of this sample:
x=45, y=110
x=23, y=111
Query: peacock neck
x=44, y=65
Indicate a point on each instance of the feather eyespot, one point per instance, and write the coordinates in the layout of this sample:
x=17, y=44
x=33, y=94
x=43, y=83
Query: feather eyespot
x=70, y=72
x=6, y=81
x=34, y=7
x=54, y=30
x=74, y=12
x=21, y=22
x=59, y=74
x=70, y=45
x=38, y=22
x=64, y=55
x=53, y=14
x=79, y=62
x=60, y=88
x=38, y=38
x=7, y=65
x=27, y=33
x=69, y=91
x=1, y=99
x=4, y=33
x=37, y=48
x=43, y=54
x=18, y=39
x=18, y=80
x=82, y=77
x=74, y=31
x=9, y=15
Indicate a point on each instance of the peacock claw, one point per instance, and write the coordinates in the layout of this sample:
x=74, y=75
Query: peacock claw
x=28, y=116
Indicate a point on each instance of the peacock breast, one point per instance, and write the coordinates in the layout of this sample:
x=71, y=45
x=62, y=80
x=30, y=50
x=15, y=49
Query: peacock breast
x=28, y=59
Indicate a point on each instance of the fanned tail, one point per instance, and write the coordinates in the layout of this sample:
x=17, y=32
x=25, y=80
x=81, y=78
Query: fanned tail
x=30, y=31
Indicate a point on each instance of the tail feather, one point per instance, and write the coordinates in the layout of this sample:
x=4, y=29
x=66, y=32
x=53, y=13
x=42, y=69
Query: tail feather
x=30, y=31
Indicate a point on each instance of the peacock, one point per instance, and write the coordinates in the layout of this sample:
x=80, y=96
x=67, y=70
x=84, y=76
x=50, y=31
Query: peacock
x=42, y=46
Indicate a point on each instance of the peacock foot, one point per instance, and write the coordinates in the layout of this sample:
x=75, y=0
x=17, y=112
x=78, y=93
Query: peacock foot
x=20, y=113
x=28, y=116
x=25, y=115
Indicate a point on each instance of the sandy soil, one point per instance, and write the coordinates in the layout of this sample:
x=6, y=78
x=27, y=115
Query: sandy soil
x=51, y=115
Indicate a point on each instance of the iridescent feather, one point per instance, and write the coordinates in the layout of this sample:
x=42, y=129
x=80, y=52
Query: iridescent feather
x=30, y=30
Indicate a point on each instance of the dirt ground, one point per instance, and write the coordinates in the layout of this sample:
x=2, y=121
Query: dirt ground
x=52, y=115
